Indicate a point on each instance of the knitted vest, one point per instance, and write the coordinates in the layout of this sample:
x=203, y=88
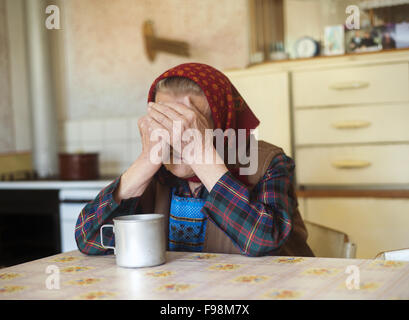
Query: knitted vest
x=156, y=198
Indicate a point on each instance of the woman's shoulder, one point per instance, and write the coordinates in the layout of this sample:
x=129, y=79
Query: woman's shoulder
x=270, y=158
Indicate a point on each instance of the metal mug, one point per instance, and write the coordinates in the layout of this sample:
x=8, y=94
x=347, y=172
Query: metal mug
x=139, y=240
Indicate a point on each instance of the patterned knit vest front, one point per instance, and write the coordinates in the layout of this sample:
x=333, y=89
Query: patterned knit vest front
x=187, y=224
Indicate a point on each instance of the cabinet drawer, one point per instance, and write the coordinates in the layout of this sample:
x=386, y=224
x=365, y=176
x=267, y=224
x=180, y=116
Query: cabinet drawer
x=374, y=225
x=353, y=165
x=366, y=84
x=386, y=123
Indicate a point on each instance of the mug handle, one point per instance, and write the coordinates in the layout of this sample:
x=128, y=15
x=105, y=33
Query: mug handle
x=102, y=239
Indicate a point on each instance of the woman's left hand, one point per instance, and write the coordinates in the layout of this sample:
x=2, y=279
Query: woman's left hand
x=186, y=126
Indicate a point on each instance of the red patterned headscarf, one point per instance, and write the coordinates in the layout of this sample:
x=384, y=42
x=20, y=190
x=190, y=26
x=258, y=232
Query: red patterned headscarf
x=229, y=110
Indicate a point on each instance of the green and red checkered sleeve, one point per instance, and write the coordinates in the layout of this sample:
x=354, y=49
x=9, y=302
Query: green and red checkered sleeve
x=102, y=210
x=257, y=221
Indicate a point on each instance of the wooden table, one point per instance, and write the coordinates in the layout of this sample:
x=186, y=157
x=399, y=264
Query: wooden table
x=186, y=275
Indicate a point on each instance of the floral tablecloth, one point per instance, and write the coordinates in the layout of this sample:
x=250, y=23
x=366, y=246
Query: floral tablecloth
x=186, y=275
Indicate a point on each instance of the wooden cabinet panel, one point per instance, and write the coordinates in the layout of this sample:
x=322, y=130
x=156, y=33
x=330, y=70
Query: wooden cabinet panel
x=374, y=225
x=357, y=124
x=353, y=85
x=353, y=165
x=267, y=94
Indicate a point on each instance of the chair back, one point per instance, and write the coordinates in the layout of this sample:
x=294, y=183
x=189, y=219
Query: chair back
x=329, y=243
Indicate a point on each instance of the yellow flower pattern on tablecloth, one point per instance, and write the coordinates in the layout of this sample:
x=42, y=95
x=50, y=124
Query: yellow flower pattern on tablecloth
x=75, y=269
x=282, y=294
x=251, y=279
x=9, y=275
x=203, y=256
x=97, y=295
x=175, y=287
x=11, y=289
x=388, y=264
x=65, y=259
x=159, y=273
x=84, y=281
x=367, y=286
x=289, y=260
x=224, y=266
x=321, y=271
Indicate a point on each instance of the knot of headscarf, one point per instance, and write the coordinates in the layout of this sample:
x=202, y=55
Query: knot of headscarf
x=228, y=108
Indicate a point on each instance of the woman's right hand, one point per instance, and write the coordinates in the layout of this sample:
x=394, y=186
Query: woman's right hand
x=151, y=140
x=137, y=177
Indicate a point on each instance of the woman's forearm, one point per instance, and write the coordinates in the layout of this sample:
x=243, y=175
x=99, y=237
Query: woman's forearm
x=135, y=180
x=210, y=173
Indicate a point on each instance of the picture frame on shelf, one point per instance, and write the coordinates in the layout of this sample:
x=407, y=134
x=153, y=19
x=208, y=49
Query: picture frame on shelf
x=334, y=40
x=402, y=35
x=369, y=39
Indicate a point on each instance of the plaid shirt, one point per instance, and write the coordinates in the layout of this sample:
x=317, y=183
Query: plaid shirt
x=258, y=222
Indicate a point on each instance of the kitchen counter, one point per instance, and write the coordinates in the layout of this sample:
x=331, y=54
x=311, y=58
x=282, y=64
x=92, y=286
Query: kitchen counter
x=54, y=184
x=188, y=275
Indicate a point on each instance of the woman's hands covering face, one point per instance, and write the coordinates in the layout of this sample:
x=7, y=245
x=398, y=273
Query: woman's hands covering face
x=186, y=126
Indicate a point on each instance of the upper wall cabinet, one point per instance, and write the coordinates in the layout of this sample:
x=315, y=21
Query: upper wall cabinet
x=267, y=94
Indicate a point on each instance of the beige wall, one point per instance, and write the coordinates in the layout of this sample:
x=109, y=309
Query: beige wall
x=7, y=143
x=103, y=74
x=107, y=71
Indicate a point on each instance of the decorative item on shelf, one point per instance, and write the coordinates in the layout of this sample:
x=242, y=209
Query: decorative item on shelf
x=257, y=57
x=277, y=51
x=402, y=35
x=334, y=40
x=368, y=39
x=388, y=37
x=307, y=47
x=154, y=44
x=79, y=166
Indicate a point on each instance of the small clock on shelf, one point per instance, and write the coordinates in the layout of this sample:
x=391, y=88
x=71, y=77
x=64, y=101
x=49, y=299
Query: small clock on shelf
x=307, y=47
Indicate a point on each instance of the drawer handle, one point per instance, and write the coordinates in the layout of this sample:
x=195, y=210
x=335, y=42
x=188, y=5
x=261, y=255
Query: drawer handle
x=351, y=164
x=351, y=124
x=349, y=85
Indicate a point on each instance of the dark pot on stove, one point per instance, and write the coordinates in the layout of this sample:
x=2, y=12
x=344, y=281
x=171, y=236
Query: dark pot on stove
x=79, y=166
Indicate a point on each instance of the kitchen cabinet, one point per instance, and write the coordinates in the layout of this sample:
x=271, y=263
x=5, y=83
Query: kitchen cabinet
x=350, y=122
x=374, y=224
x=266, y=91
x=351, y=133
x=345, y=120
x=372, y=123
x=344, y=85
x=351, y=165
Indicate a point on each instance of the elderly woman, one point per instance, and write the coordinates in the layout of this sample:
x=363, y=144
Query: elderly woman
x=210, y=205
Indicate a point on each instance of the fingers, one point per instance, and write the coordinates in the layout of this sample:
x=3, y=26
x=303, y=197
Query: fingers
x=187, y=114
x=161, y=117
x=166, y=109
x=187, y=110
x=147, y=125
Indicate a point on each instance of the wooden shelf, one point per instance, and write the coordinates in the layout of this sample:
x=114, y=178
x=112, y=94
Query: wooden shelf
x=352, y=54
x=358, y=193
